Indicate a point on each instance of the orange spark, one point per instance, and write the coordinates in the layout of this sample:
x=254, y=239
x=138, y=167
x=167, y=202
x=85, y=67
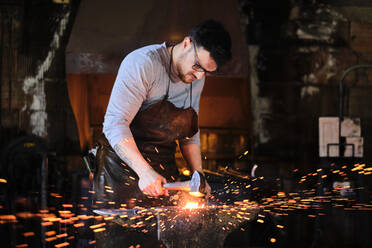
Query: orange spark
x=62, y=244
x=99, y=229
x=28, y=234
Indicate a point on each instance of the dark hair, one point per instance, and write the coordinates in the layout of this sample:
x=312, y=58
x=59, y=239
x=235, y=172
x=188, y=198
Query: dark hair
x=213, y=37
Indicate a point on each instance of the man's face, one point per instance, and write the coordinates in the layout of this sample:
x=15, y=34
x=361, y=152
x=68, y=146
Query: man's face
x=194, y=62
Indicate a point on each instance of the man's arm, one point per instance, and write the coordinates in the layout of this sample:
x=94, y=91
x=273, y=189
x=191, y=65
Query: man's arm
x=150, y=182
x=129, y=91
x=192, y=155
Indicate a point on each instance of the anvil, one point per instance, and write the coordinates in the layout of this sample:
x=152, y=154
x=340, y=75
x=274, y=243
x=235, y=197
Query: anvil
x=180, y=227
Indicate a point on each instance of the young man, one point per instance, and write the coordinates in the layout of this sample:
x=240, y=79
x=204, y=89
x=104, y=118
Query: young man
x=154, y=102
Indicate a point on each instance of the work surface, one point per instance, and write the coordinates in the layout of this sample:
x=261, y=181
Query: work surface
x=205, y=226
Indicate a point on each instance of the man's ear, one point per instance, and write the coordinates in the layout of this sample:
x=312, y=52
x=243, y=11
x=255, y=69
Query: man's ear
x=186, y=42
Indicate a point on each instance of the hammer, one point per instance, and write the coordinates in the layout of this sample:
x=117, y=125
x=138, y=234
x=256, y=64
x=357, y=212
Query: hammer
x=195, y=185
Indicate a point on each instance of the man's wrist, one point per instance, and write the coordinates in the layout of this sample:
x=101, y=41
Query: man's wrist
x=200, y=170
x=143, y=169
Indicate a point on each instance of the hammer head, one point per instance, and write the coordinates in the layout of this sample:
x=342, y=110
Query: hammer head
x=197, y=183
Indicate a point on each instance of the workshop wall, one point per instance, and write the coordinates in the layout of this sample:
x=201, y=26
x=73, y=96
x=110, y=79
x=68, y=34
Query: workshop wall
x=297, y=50
x=34, y=98
x=298, y=53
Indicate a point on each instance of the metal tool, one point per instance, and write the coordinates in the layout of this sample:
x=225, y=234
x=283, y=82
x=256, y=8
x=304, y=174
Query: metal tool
x=195, y=185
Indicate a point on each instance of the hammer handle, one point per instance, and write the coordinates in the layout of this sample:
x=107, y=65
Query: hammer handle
x=177, y=186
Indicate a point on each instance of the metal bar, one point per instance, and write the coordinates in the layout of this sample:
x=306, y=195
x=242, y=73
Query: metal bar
x=10, y=59
x=87, y=164
x=1, y=70
x=44, y=182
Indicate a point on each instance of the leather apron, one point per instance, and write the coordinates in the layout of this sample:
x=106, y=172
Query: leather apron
x=155, y=131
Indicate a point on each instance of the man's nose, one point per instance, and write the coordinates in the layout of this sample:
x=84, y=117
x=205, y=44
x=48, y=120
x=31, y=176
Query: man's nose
x=199, y=74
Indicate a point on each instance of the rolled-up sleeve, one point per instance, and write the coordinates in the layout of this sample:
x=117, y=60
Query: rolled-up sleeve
x=128, y=93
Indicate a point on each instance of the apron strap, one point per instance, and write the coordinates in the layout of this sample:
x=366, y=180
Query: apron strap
x=170, y=71
x=190, y=95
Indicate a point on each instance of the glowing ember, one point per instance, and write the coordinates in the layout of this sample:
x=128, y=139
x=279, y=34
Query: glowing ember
x=191, y=205
x=186, y=172
x=197, y=194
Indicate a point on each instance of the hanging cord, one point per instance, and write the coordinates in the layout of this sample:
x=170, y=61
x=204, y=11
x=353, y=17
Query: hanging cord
x=188, y=93
x=169, y=71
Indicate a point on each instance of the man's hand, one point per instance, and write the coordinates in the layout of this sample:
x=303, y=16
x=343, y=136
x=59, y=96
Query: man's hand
x=151, y=183
x=207, y=189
